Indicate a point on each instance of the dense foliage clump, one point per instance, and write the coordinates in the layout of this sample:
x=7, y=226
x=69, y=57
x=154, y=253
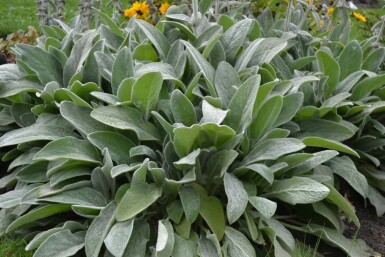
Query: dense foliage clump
x=210, y=135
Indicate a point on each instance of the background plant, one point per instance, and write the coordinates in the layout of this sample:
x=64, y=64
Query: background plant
x=204, y=136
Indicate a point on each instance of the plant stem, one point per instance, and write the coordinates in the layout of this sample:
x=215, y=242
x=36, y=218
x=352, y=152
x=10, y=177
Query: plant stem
x=303, y=19
x=288, y=15
x=195, y=15
x=42, y=12
x=379, y=35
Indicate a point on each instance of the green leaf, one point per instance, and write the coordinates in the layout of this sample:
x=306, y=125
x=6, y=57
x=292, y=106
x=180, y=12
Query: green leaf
x=36, y=214
x=137, y=245
x=373, y=61
x=182, y=109
x=125, y=89
x=211, y=114
x=61, y=244
x=329, y=144
x=238, y=244
x=298, y=190
x=47, y=67
x=126, y=118
x=272, y=149
x=160, y=42
x=266, y=117
x=350, y=59
x=377, y=200
x=203, y=65
x=11, y=88
x=68, y=148
x=118, y=237
x=185, y=248
x=234, y=38
x=80, y=118
x=365, y=87
x=265, y=206
x=33, y=173
x=326, y=129
x=241, y=105
x=12, y=198
x=317, y=159
x=330, y=68
x=290, y=106
x=345, y=167
x=184, y=139
x=99, y=229
x=123, y=68
x=236, y=195
x=226, y=82
x=109, y=22
x=83, y=196
x=79, y=54
x=137, y=199
x=35, y=132
x=145, y=92
x=191, y=202
x=354, y=248
x=117, y=145
x=212, y=212
x=166, y=239
x=145, y=52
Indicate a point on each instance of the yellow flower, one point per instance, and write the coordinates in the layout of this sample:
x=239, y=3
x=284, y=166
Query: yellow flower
x=330, y=10
x=141, y=9
x=322, y=23
x=163, y=8
x=359, y=16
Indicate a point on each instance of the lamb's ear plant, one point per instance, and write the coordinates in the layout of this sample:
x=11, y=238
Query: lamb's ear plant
x=173, y=140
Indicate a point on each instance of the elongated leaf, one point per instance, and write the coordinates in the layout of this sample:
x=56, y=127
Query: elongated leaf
x=329, y=144
x=79, y=54
x=166, y=239
x=234, y=38
x=212, y=212
x=160, y=42
x=236, y=195
x=238, y=244
x=123, y=68
x=241, y=105
x=137, y=245
x=68, y=148
x=366, y=86
x=266, y=117
x=38, y=213
x=99, y=229
x=226, y=82
x=212, y=114
x=203, y=65
x=47, y=67
x=352, y=51
x=145, y=92
x=330, y=68
x=373, y=61
x=117, y=145
x=117, y=239
x=290, y=106
x=11, y=88
x=182, y=109
x=272, y=149
x=298, y=190
x=126, y=118
x=345, y=167
x=83, y=196
x=80, y=118
x=61, y=244
x=326, y=129
x=34, y=133
x=356, y=248
x=265, y=206
x=137, y=199
x=191, y=202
